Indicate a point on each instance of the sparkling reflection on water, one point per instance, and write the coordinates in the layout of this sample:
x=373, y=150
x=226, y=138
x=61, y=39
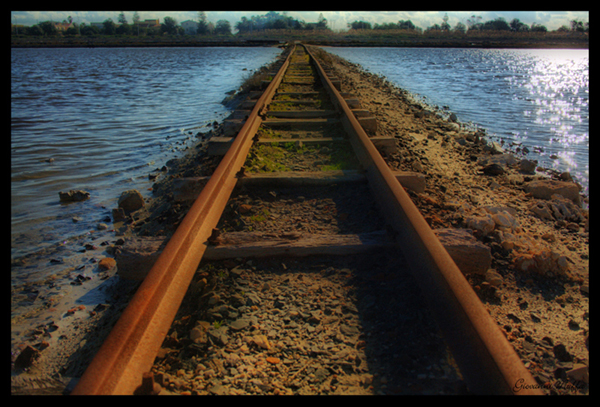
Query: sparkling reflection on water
x=536, y=98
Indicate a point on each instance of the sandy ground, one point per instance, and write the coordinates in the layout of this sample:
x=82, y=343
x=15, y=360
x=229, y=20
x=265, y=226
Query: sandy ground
x=544, y=301
x=64, y=320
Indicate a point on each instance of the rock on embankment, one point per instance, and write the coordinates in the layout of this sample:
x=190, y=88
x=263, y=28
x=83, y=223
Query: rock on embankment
x=73, y=196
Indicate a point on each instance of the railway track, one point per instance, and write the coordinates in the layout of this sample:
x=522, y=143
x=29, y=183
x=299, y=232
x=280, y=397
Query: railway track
x=303, y=267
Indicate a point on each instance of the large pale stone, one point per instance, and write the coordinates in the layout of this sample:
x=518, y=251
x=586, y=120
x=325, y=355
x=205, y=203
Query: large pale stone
x=483, y=223
x=107, y=263
x=500, y=159
x=470, y=255
x=503, y=216
x=505, y=220
x=494, y=278
x=528, y=166
x=131, y=200
x=544, y=189
x=496, y=148
x=541, y=261
x=136, y=257
x=579, y=373
x=558, y=208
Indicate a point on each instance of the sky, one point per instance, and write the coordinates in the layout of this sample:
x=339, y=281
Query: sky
x=337, y=20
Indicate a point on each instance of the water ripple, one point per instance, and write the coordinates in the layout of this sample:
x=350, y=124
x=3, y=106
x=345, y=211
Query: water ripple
x=539, y=98
x=94, y=119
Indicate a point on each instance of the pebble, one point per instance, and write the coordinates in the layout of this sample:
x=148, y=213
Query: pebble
x=561, y=353
x=74, y=196
x=494, y=278
x=493, y=169
x=247, y=365
x=107, y=263
x=579, y=373
x=26, y=357
x=130, y=201
x=527, y=166
x=299, y=332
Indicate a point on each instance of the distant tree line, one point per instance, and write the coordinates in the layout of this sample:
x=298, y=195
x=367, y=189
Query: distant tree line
x=108, y=27
x=274, y=21
x=474, y=23
x=400, y=25
x=269, y=21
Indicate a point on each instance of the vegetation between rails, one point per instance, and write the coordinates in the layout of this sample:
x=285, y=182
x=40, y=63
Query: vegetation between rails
x=281, y=157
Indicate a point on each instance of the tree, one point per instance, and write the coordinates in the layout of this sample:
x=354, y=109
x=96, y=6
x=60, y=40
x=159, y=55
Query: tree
x=202, y=23
x=577, y=26
x=498, y=24
x=517, y=26
x=359, y=25
x=445, y=26
x=385, y=26
x=136, y=22
x=435, y=27
x=276, y=21
x=271, y=17
x=35, y=30
x=123, y=29
x=88, y=30
x=321, y=23
x=279, y=24
x=122, y=19
x=152, y=31
x=406, y=25
x=169, y=26
x=271, y=21
x=109, y=27
x=223, y=27
x=244, y=25
x=72, y=30
x=538, y=28
x=48, y=28
x=460, y=28
x=474, y=22
x=294, y=24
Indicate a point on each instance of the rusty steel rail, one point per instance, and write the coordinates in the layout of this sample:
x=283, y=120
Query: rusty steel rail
x=131, y=347
x=486, y=359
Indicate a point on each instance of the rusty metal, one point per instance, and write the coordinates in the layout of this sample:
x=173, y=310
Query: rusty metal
x=486, y=359
x=131, y=347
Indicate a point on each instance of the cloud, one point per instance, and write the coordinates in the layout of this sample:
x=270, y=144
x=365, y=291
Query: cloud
x=337, y=20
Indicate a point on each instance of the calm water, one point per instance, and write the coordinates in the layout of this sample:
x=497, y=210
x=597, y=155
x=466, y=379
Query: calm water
x=538, y=98
x=108, y=117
